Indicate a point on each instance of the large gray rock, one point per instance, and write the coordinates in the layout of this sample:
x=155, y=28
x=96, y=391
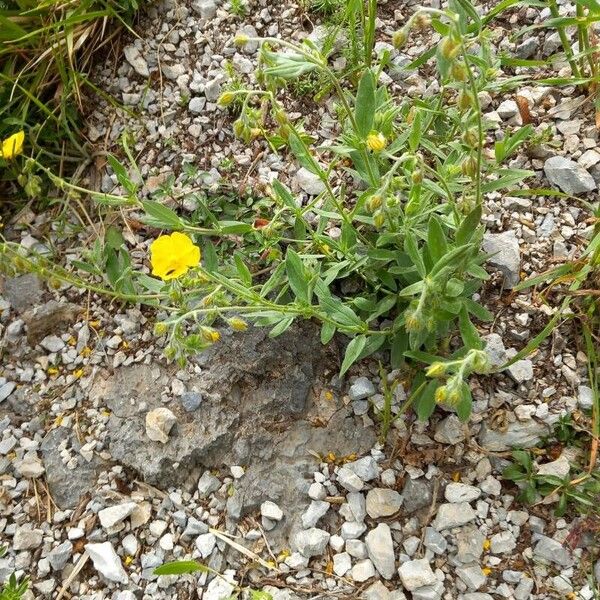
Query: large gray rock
x=51, y=317
x=520, y=434
x=381, y=550
x=67, y=486
x=505, y=255
x=568, y=176
x=23, y=291
x=257, y=410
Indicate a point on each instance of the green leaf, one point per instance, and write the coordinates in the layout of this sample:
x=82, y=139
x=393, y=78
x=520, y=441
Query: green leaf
x=284, y=194
x=282, y=326
x=399, y=346
x=242, y=269
x=415, y=133
x=297, y=276
x=327, y=332
x=259, y=595
x=234, y=227
x=513, y=473
x=465, y=404
x=121, y=174
x=468, y=226
x=301, y=152
x=114, y=238
x=412, y=249
x=353, y=351
x=436, y=239
x=181, y=567
x=523, y=458
x=412, y=289
x=210, y=260
x=161, y=216
x=468, y=331
x=425, y=401
x=364, y=112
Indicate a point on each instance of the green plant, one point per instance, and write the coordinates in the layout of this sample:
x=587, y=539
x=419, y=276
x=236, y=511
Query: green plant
x=45, y=50
x=12, y=588
x=238, y=7
x=392, y=260
x=581, y=490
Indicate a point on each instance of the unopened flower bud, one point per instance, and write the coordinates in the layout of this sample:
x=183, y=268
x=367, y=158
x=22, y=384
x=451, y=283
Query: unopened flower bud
x=469, y=167
x=241, y=39
x=399, y=38
x=436, y=369
x=238, y=324
x=374, y=202
x=417, y=176
x=210, y=335
x=226, y=98
x=471, y=138
x=378, y=219
x=449, y=48
x=422, y=21
x=160, y=329
x=459, y=71
x=464, y=100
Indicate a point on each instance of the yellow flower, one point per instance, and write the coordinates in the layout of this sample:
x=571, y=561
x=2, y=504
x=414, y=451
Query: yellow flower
x=441, y=394
x=376, y=141
x=172, y=255
x=13, y=145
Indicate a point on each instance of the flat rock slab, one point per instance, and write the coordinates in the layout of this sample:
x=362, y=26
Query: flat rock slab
x=258, y=410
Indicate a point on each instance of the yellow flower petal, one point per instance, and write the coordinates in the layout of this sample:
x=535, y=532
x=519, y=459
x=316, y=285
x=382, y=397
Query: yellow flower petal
x=13, y=145
x=172, y=255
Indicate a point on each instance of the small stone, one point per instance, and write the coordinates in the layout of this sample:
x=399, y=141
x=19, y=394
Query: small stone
x=309, y=182
x=158, y=527
x=505, y=255
x=570, y=177
x=507, y=109
x=52, y=343
x=159, y=423
x=356, y=548
x=450, y=431
x=342, y=563
x=317, y=491
x=6, y=390
x=111, y=516
x=349, y=480
x=197, y=104
x=435, y=541
x=31, y=468
x=313, y=514
x=271, y=511
x=205, y=544
x=191, y=401
x=311, y=542
x=453, y=515
x=136, y=60
x=472, y=576
x=362, y=388
x=521, y=371
x=416, y=494
x=558, y=468
x=362, y=571
x=502, y=543
x=60, y=555
x=130, y=544
x=26, y=538
x=585, y=397
x=383, y=502
x=208, y=484
x=552, y=551
x=461, y=492
x=207, y=9
x=380, y=549
x=107, y=562
x=366, y=468
x=237, y=471
x=416, y=573
x=524, y=589
x=352, y=530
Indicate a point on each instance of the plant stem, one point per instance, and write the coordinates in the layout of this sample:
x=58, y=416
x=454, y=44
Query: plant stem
x=564, y=40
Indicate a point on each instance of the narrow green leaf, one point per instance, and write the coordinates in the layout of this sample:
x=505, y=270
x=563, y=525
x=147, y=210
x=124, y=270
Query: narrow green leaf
x=181, y=567
x=327, y=332
x=425, y=401
x=436, y=239
x=242, y=269
x=364, y=112
x=297, y=276
x=161, y=216
x=282, y=326
x=353, y=351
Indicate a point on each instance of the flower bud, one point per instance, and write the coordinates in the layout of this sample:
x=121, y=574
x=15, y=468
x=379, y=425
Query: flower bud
x=449, y=48
x=238, y=324
x=441, y=394
x=464, y=100
x=374, y=202
x=241, y=39
x=417, y=176
x=422, y=21
x=226, y=98
x=436, y=369
x=160, y=329
x=459, y=71
x=376, y=141
x=480, y=361
x=210, y=335
x=399, y=38
x=471, y=138
x=469, y=166
x=379, y=219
